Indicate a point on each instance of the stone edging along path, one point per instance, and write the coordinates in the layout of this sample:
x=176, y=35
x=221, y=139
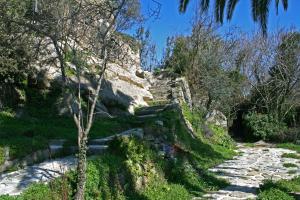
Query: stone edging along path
x=248, y=170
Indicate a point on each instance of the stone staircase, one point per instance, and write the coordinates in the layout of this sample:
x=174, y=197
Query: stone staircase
x=95, y=146
x=168, y=88
x=60, y=148
x=152, y=111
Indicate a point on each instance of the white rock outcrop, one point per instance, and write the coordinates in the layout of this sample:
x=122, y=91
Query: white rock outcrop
x=125, y=84
x=216, y=117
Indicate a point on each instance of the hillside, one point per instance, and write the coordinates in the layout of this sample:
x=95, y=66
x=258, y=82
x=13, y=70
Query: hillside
x=136, y=168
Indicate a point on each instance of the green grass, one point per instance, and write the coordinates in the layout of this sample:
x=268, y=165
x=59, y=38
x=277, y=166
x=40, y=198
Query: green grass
x=274, y=194
x=40, y=123
x=288, y=165
x=292, y=171
x=279, y=190
x=114, y=176
x=166, y=192
x=249, y=144
x=190, y=169
x=290, y=146
x=26, y=135
x=290, y=155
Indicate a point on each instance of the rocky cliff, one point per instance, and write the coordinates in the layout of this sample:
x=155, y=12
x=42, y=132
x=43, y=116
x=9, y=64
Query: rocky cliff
x=125, y=85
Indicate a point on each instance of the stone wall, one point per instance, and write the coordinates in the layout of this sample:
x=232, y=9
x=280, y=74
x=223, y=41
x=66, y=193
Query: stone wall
x=10, y=96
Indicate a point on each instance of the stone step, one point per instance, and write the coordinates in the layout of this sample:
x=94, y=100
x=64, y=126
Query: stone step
x=100, y=141
x=92, y=149
x=296, y=195
x=160, y=91
x=161, y=96
x=95, y=146
x=160, y=87
x=150, y=110
x=138, y=132
x=96, y=149
x=150, y=116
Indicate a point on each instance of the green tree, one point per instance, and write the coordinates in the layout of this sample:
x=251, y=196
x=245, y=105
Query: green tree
x=15, y=44
x=285, y=75
x=260, y=9
x=178, y=57
x=147, y=49
x=276, y=91
x=205, y=59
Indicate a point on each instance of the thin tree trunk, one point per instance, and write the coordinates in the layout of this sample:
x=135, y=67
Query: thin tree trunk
x=81, y=168
x=61, y=60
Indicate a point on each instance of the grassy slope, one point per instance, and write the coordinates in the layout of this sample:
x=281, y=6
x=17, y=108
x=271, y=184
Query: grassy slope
x=111, y=176
x=40, y=124
x=27, y=135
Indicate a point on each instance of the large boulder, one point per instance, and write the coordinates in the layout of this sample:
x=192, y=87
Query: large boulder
x=216, y=117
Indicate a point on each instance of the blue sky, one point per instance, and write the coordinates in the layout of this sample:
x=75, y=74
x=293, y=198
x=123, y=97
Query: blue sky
x=171, y=22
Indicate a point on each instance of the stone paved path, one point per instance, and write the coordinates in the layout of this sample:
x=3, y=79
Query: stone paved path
x=15, y=182
x=247, y=171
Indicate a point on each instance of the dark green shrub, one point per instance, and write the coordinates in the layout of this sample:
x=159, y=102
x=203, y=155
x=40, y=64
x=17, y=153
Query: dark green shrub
x=264, y=126
x=93, y=180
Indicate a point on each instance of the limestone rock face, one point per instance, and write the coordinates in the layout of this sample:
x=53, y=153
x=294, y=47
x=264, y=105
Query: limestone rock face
x=125, y=85
x=216, y=117
x=123, y=88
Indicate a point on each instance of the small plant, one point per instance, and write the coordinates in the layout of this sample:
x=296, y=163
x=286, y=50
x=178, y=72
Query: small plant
x=289, y=165
x=292, y=171
x=290, y=155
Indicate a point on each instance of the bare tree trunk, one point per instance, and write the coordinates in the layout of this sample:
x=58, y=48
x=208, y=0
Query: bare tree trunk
x=61, y=60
